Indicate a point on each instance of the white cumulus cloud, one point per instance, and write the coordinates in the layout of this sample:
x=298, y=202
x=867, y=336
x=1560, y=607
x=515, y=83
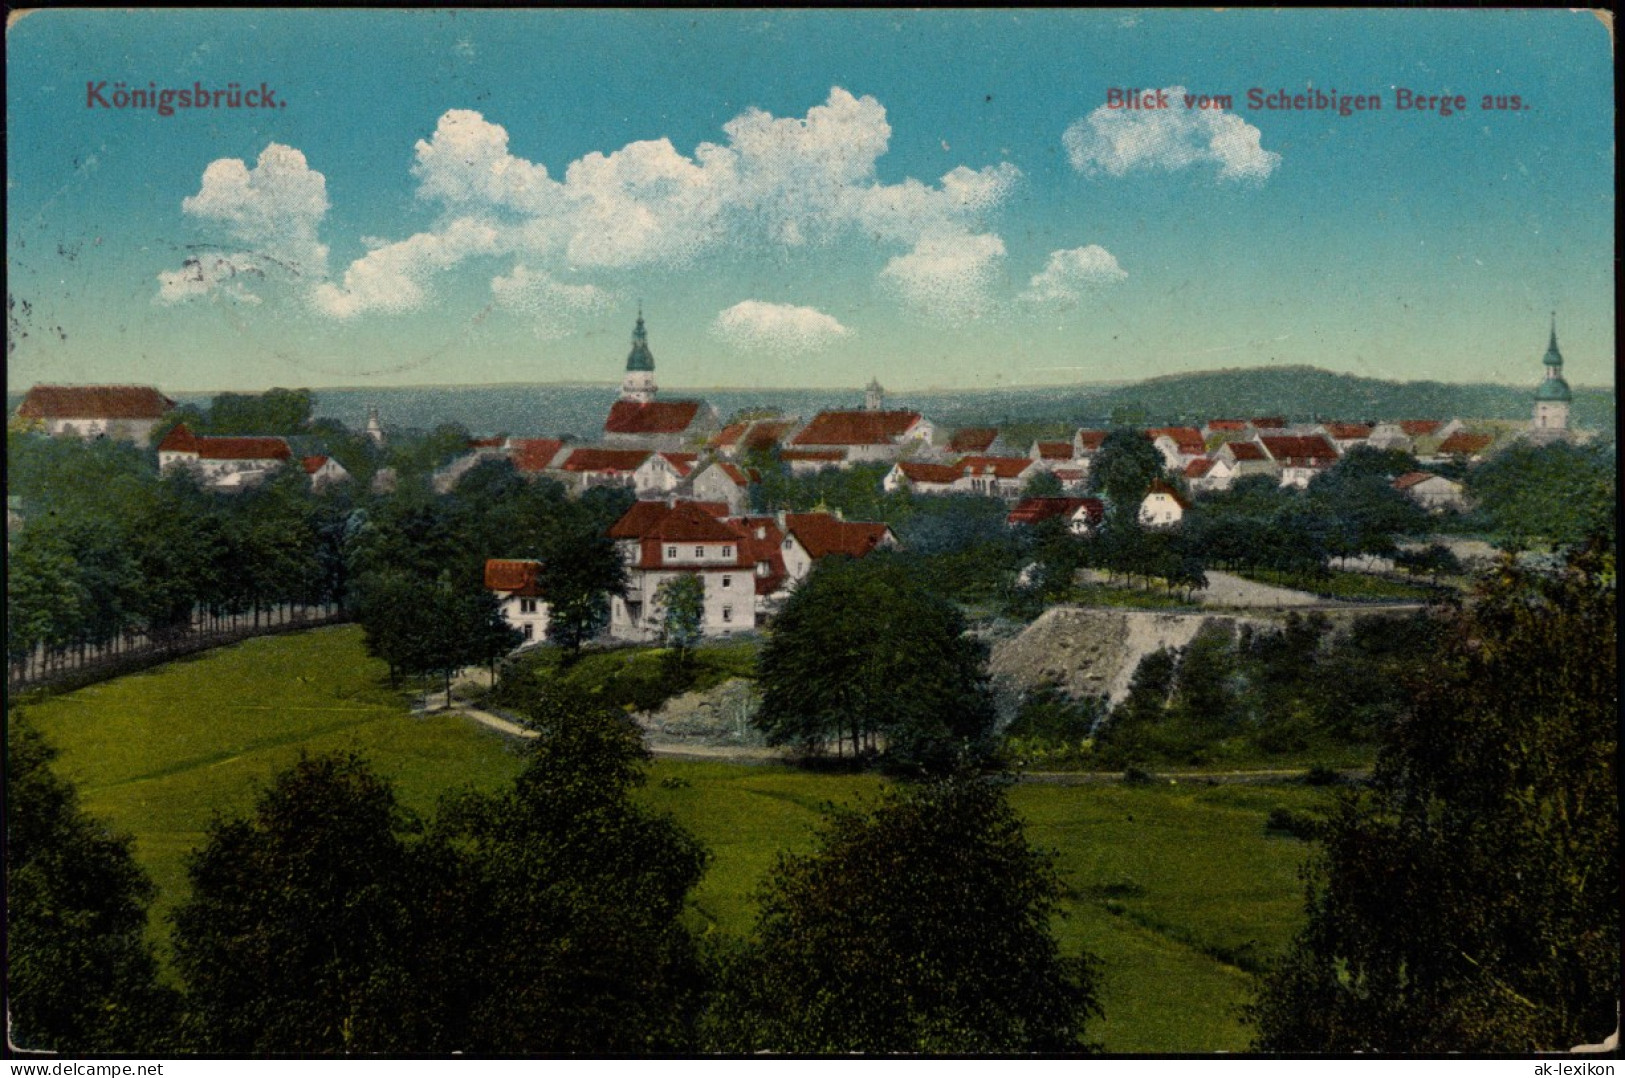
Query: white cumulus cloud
x=777, y=327
x=1071, y=273
x=273, y=211
x=948, y=277
x=1118, y=141
x=552, y=306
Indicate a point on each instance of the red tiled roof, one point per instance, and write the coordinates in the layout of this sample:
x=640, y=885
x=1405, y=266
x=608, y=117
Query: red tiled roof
x=486, y=443
x=1346, y=432
x=1269, y=422
x=766, y=549
x=512, y=575
x=821, y=534
x=533, y=454
x=856, y=428
x=1247, y=451
x=1159, y=487
x=1197, y=468
x=180, y=439
x=1420, y=428
x=312, y=465
x=1054, y=450
x=1463, y=444
x=919, y=471
x=656, y=417
x=1227, y=424
x=1033, y=510
x=1187, y=440
x=1410, y=479
x=1001, y=467
x=94, y=402
x=766, y=434
x=1090, y=441
x=1071, y=475
x=812, y=454
x=242, y=449
x=728, y=435
x=644, y=518
x=1300, y=449
x=973, y=439
x=741, y=477
x=589, y=459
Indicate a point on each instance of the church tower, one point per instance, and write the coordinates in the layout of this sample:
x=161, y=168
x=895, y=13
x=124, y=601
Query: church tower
x=639, y=384
x=1553, y=397
x=375, y=429
x=874, y=397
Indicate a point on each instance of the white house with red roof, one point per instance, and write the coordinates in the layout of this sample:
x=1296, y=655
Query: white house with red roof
x=811, y=537
x=1082, y=515
x=123, y=413
x=862, y=436
x=1162, y=506
x=661, y=540
x=923, y=477
x=223, y=463
x=638, y=420
x=1051, y=455
x=1178, y=445
x=976, y=441
x=1300, y=457
x=751, y=435
x=324, y=471
x=516, y=583
x=1345, y=436
x=1432, y=492
x=1002, y=477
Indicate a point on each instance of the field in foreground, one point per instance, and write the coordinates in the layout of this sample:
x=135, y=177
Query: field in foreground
x=1177, y=888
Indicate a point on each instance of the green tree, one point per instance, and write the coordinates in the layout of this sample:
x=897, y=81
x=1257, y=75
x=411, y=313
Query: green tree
x=1123, y=470
x=80, y=976
x=581, y=570
x=682, y=600
x=863, y=648
x=299, y=934
x=1560, y=494
x=274, y=412
x=1468, y=901
x=919, y=925
x=561, y=922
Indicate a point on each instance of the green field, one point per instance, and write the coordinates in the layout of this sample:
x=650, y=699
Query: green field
x=1176, y=888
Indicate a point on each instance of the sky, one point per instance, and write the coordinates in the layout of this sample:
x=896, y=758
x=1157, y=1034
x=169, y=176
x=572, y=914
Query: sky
x=812, y=198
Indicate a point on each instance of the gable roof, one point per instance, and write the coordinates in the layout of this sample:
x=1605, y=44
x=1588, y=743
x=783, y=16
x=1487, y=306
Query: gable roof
x=1269, y=422
x=740, y=477
x=94, y=402
x=1306, y=449
x=999, y=467
x=920, y=471
x=1411, y=479
x=1197, y=468
x=681, y=521
x=1227, y=424
x=180, y=439
x=681, y=463
x=1246, y=451
x=1463, y=444
x=856, y=428
x=1187, y=440
x=1420, y=428
x=1348, y=432
x=766, y=549
x=655, y=417
x=1159, y=487
x=973, y=439
x=593, y=459
x=822, y=534
x=811, y=454
x=1033, y=510
x=1053, y=450
x=516, y=576
x=312, y=465
x=207, y=447
x=728, y=435
x=766, y=433
x=1090, y=441
x=533, y=454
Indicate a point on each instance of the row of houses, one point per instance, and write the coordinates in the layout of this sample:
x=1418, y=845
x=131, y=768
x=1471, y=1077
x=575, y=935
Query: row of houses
x=227, y=464
x=747, y=564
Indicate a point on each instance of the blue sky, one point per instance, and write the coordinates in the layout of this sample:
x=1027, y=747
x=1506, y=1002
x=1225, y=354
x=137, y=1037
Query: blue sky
x=803, y=199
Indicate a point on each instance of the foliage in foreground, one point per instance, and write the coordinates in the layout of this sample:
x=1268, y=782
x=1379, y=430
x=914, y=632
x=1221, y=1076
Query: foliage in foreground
x=1470, y=900
x=919, y=926
x=80, y=976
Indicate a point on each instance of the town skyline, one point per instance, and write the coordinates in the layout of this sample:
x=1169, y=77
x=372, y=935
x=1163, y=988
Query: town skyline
x=834, y=211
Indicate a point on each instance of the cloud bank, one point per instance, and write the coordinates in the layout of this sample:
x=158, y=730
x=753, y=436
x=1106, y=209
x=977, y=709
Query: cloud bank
x=1119, y=141
x=779, y=328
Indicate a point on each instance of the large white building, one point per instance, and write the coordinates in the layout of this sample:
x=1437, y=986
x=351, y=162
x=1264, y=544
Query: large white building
x=124, y=413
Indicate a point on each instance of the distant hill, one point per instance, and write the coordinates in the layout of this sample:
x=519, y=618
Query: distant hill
x=1298, y=393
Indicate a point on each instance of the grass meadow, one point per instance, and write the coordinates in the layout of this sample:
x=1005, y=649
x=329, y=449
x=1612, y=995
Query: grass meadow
x=1177, y=888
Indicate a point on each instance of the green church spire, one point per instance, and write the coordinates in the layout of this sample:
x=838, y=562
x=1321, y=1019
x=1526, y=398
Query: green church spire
x=640, y=358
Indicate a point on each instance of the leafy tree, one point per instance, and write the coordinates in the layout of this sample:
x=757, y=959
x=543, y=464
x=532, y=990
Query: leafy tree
x=1123, y=470
x=682, y=598
x=1559, y=493
x=581, y=569
x=80, y=976
x=274, y=412
x=864, y=648
x=298, y=937
x=1466, y=901
x=1043, y=484
x=920, y=925
x=560, y=929
x=422, y=626
x=1130, y=734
